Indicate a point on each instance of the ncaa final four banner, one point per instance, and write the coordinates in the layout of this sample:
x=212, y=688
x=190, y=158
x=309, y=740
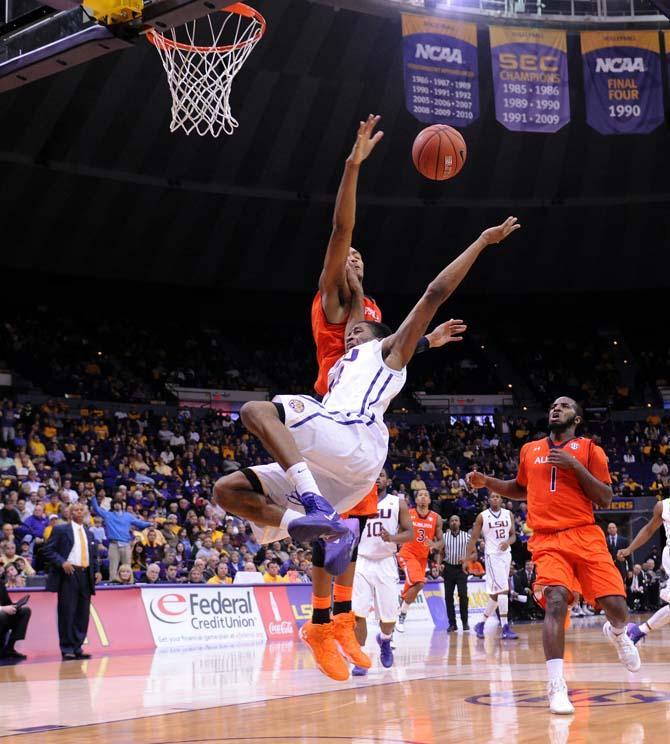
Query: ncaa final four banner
x=530, y=78
x=622, y=81
x=441, y=72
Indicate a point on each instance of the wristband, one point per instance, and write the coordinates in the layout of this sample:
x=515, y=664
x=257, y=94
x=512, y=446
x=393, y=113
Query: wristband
x=423, y=345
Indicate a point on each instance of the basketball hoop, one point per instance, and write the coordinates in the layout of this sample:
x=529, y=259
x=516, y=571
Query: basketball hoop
x=201, y=71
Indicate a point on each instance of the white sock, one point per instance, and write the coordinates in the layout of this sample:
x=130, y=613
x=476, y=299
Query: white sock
x=555, y=669
x=490, y=608
x=618, y=631
x=404, y=607
x=385, y=637
x=658, y=620
x=302, y=479
x=503, y=607
x=289, y=516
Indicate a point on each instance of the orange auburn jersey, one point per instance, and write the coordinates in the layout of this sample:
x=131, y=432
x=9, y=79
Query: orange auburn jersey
x=556, y=501
x=329, y=339
x=425, y=529
x=365, y=508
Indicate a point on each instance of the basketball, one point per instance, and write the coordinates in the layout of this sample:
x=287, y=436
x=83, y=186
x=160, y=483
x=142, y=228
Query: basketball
x=439, y=152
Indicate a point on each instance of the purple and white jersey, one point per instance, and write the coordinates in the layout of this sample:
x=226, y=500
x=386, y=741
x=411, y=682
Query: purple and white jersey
x=496, y=530
x=665, y=515
x=362, y=386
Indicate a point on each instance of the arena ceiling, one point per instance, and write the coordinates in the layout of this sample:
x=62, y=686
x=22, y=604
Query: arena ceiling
x=94, y=185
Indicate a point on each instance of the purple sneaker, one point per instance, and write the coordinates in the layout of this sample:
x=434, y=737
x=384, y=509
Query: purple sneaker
x=386, y=655
x=359, y=672
x=508, y=633
x=479, y=629
x=320, y=521
x=634, y=633
x=338, y=550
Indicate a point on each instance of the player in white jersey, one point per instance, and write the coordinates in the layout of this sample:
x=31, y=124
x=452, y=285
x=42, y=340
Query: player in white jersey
x=496, y=526
x=376, y=577
x=660, y=517
x=328, y=454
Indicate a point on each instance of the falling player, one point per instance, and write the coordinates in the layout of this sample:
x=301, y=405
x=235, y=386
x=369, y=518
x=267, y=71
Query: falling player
x=328, y=455
x=376, y=578
x=561, y=478
x=497, y=527
x=660, y=517
x=413, y=556
x=339, y=303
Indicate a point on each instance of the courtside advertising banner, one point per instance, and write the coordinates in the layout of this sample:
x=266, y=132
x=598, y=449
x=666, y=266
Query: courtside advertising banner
x=622, y=81
x=530, y=78
x=441, y=71
x=196, y=615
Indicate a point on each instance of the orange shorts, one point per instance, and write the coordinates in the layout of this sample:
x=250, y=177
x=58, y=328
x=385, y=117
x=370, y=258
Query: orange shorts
x=414, y=569
x=365, y=508
x=577, y=559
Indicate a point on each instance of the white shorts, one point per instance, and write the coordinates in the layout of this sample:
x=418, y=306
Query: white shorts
x=344, y=452
x=376, y=588
x=497, y=572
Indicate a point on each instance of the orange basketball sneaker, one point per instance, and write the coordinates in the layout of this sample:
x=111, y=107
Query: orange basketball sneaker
x=344, y=626
x=321, y=641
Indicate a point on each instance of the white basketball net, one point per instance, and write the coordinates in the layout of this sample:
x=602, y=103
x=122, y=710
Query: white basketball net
x=201, y=77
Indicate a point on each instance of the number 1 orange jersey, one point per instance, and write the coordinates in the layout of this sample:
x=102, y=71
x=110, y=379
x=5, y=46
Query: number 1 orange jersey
x=556, y=501
x=425, y=529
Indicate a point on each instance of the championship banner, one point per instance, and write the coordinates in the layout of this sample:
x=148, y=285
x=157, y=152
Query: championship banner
x=441, y=72
x=622, y=81
x=530, y=78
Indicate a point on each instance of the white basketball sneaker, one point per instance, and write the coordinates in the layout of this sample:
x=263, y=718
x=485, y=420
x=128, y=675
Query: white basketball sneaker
x=559, y=702
x=628, y=654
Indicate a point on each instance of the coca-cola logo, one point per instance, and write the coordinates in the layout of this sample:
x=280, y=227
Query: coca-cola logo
x=282, y=628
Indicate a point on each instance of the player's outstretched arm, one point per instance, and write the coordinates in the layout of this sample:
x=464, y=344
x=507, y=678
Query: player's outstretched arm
x=645, y=534
x=335, y=293
x=471, y=549
x=357, y=309
x=399, y=348
x=406, y=528
x=510, y=489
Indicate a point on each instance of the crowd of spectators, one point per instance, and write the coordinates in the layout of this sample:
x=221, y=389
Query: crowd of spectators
x=158, y=471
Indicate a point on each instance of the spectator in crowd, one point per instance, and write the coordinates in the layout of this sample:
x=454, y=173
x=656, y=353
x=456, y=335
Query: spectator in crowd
x=222, y=575
x=152, y=574
x=118, y=525
x=13, y=626
x=124, y=575
x=271, y=575
x=636, y=589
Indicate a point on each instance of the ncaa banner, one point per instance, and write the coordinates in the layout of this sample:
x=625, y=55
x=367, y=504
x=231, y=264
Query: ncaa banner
x=622, y=81
x=441, y=71
x=530, y=78
x=198, y=614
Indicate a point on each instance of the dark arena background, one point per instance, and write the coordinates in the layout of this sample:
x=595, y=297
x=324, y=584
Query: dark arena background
x=154, y=282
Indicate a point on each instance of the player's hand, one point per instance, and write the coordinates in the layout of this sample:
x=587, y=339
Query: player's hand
x=365, y=140
x=504, y=545
x=622, y=554
x=385, y=536
x=8, y=609
x=475, y=479
x=561, y=459
x=353, y=280
x=446, y=333
x=500, y=232
x=68, y=568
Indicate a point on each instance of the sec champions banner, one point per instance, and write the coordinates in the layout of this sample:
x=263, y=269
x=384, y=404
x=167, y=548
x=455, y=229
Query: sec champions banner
x=622, y=81
x=441, y=73
x=530, y=78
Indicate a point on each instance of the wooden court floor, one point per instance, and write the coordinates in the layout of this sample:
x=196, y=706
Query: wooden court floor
x=442, y=688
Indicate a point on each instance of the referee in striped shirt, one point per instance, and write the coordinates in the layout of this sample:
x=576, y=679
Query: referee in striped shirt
x=455, y=545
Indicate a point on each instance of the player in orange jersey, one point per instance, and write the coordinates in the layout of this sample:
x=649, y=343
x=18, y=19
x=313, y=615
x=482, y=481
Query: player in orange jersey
x=340, y=303
x=413, y=556
x=562, y=477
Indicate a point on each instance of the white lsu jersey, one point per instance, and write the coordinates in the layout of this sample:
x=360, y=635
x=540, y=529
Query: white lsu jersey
x=496, y=530
x=371, y=545
x=361, y=384
x=665, y=514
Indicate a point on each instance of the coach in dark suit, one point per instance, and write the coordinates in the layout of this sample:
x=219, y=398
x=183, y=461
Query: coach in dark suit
x=70, y=551
x=522, y=583
x=615, y=543
x=13, y=625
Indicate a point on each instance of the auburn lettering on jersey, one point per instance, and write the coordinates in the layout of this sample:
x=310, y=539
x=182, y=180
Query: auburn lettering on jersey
x=556, y=501
x=329, y=338
x=425, y=529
